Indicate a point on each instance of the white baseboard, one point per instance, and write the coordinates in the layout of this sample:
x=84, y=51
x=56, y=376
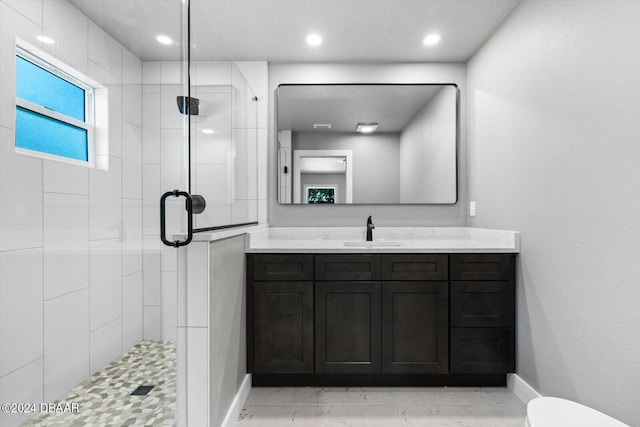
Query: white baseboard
x=239, y=400
x=521, y=388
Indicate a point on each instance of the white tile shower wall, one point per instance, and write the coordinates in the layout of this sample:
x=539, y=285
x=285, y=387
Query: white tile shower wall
x=21, y=385
x=20, y=308
x=66, y=243
x=256, y=74
x=51, y=214
x=66, y=343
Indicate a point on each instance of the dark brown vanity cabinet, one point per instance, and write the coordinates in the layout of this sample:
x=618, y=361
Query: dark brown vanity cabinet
x=384, y=315
x=482, y=311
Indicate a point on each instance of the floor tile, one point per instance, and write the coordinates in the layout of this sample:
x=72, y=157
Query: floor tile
x=382, y=406
x=105, y=398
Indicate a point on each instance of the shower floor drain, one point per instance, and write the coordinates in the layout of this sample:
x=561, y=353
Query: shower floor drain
x=143, y=390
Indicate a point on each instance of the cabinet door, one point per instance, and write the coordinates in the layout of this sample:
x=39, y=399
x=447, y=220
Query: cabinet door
x=283, y=327
x=415, y=327
x=482, y=350
x=347, y=327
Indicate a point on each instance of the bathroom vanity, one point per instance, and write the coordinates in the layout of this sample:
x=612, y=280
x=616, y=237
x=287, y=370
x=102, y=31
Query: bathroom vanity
x=437, y=308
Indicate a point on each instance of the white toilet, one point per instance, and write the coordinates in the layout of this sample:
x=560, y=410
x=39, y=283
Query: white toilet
x=555, y=412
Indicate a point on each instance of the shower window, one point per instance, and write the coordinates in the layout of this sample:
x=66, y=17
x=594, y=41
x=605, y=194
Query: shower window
x=55, y=109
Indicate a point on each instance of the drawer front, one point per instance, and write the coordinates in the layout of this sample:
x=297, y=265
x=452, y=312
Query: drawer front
x=282, y=267
x=479, y=304
x=482, y=350
x=415, y=267
x=347, y=267
x=482, y=267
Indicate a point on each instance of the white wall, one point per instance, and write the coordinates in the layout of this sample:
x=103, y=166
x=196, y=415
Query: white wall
x=70, y=236
x=378, y=184
x=554, y=108
x=427, y=152
x=389, y=215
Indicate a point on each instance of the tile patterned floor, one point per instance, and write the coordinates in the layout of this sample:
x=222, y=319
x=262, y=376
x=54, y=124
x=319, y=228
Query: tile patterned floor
x=105, y=398
x=383, y=407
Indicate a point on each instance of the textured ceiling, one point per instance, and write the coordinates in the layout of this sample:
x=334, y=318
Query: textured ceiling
x=275, y=30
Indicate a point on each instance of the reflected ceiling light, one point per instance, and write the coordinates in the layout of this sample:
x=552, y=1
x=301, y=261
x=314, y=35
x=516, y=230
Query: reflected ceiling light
x=46, y=40
x=164, y=39
x=208, y=131
x=314, y=40
x=321, y=126
x=366, y=127
x=431, y=39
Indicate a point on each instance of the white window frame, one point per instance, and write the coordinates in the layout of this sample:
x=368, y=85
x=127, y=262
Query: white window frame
x=90, y=87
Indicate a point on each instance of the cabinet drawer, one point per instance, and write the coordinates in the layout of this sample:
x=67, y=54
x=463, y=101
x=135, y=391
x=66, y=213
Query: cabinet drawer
x=482, y=350
x=282, y=267
x=414, y=267
x=347, y=267
x=481, y=267
x=479, y=304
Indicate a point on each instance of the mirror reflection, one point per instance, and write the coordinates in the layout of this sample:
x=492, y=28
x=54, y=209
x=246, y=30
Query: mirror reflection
x=367, y=143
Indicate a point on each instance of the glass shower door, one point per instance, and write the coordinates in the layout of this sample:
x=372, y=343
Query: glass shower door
x=89, y=294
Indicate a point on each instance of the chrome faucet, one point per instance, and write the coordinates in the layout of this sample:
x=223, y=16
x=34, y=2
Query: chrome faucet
x=370, y=228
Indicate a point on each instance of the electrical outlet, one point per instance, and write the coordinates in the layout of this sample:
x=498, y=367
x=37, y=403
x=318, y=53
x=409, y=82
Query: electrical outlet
x=472, y=208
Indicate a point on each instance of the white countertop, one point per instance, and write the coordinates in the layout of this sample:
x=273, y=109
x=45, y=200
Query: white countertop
x=386, y=240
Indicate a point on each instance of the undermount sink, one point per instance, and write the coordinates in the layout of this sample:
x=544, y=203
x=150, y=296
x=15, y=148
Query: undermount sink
x=374, y=243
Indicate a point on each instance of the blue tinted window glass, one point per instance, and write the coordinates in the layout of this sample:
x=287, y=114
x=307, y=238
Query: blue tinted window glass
x=37, y=85
x=41, y=133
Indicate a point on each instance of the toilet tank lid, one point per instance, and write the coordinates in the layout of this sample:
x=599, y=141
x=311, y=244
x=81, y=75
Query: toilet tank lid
x=548, y=411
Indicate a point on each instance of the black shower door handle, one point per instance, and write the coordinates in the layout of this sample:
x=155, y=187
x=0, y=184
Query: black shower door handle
x=188, y=206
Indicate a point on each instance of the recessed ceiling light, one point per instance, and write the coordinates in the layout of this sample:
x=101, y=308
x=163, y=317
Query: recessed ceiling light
x=208, y=131
x=321, y=126
x=46, y=40
x=431, y=39
x=366, y=127
x=164, y=39
x=314, y=40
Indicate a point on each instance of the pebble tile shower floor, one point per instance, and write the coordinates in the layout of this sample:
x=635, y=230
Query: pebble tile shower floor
x=105, y=398
x=382, y=407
